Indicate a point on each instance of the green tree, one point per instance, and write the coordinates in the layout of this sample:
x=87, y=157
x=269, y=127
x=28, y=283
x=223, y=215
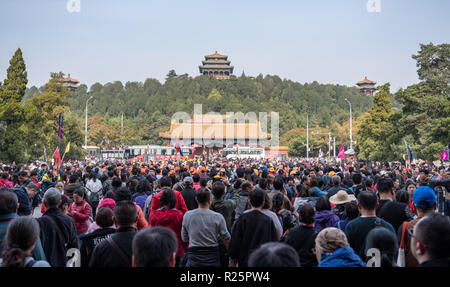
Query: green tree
x=172, y=74
x=13, y=146
x=297, y=147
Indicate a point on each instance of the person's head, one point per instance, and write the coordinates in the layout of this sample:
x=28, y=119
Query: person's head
x=351, y=210
x=60, y=186
x=73, y=178
x=336, y=180
x=386, y=242
x=306, y=214
x=116, y=182
x=52, y=198
x=79, y=195
x=20, y=240
x=328, y=241
x=218, y=189
x=278, y=183
x=274, y=254
x=356, y=178
x=154, y=247
x=196, y=177
x=203, y=197
x=256, y=198
x=9, y=202
x=323, y=203
x=104, y=217
x=367, y=202
x=23, y=176
x=277, y=202
x=32, y=189
x=122, y=194
x=424, y=199
x=165, y=182
x=168, y=199
x=125, y=214
x=386, y=188
x=247, y=186
x=402, y=196
x=431, y=237
x=410, y=187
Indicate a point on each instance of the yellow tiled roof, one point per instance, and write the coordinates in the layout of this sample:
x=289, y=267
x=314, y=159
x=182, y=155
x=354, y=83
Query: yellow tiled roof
x=366, y=81
x=216, y=55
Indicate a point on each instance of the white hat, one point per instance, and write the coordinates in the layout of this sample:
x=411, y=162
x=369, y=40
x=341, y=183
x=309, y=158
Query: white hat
x=342, y=197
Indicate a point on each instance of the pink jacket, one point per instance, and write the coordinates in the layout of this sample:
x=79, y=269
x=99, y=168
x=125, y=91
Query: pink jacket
x=83, y=210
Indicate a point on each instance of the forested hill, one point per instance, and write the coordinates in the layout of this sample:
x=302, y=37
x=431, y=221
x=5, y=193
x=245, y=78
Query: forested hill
x=148, y=106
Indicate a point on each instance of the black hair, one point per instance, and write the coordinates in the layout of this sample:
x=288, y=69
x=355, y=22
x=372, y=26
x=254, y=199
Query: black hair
x=278, y=183
x=351, y=209
x=168, y=198
x=218, y=189
x=263, y=182
x=357, y=178
x=116, y=182
x=274, y=254
x=81, y=192
x=104, y=217
x=385, y=185
x=277, y=202
x=73, y=178
x=125, y=213
x=434, y=231
x=122, y=194
x=143, y=187
x=368, y=200
x=257, y=197
x=165, y=181
x=21, y=235
x=402, y=196
x=306, y=213
x=323, y=203
x=301, y=190
x=93, y=176
x=237, y=183
x=203, y=195
x=386, y=242
x=240, y=172
x=196, y=177
x=8, y=202
x=154, y=246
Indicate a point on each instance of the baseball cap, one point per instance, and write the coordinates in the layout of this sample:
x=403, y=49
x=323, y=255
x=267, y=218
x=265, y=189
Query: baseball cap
x=188, y=179
x=424, y=196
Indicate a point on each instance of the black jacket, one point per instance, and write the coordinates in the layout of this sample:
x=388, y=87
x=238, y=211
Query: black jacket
x=105, y=255
x=394, y=212
x=251, y=230
x=302, y=238
x=58, y=234
x=441, y=262
x=189, y=198
x=90, y=241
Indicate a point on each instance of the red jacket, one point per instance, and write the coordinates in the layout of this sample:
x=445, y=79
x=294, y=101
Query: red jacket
x=180, y=204
x=172, y=219
x=83, y=210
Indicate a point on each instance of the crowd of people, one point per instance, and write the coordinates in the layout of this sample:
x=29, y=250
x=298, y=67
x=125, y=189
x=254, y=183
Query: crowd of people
x=219, y=212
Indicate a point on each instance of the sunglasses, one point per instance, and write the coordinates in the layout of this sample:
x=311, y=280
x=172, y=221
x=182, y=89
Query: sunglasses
x=411, y=233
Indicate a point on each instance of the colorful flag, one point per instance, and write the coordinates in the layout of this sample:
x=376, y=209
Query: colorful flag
x=410, y=152
x=178, y=148
x=60, y=126
x=67, y=147
x=57, y=157
x=321, y=153
x=341, y=153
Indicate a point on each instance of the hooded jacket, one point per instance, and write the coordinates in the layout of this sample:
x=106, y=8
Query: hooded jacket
x=180, y=204
x=172, y=219
x=342, y=257
x=324, y=219
x=83, y=211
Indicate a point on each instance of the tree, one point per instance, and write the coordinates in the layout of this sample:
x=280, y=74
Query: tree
x=373, y=128
x=172, y=74
x=13, y=146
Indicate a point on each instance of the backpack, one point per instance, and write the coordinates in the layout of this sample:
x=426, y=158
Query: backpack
x=148, y=207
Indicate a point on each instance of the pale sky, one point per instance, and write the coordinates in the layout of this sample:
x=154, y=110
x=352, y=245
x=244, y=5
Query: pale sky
x=328, y=41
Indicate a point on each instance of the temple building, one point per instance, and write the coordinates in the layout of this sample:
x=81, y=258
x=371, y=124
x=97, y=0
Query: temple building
x=71, y=83
x=216, y=65
x=210, y=133
x=366, y=87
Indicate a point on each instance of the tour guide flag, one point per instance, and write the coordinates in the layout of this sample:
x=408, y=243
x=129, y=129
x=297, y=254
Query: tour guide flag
x=67, y=147
x=410, y=152
x=57, y=157
x=60, y=126
x=341, y=153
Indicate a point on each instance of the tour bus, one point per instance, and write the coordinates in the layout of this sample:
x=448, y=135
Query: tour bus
x=112, y=154
x=156, y=152
x=244, y=152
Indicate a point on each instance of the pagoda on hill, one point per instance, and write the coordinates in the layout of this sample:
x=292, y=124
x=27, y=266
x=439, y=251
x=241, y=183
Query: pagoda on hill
x=71, y=83
x=366, y=87
x=216, y=65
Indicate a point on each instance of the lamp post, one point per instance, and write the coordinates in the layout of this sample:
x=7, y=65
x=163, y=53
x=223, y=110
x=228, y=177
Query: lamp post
x=85, y=126
x=307, y=137
x=351, y=138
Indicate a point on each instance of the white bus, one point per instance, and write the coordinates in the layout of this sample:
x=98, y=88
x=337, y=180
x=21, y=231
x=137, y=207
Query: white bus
x=245, y=152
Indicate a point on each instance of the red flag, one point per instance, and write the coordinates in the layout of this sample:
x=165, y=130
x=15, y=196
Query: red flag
x=341, y=152
x=57, y=157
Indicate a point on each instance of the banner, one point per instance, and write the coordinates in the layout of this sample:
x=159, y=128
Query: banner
x=60, y=126
x=409, y=151
x=341, y=153
x=67, y=147
x=57, y=157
